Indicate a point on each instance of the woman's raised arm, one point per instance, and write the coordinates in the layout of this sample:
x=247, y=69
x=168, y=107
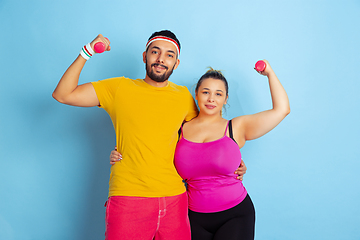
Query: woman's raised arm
x=256, y=125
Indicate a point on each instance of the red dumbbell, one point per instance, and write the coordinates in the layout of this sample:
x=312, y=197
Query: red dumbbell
x=260, y=66
x=99, y=47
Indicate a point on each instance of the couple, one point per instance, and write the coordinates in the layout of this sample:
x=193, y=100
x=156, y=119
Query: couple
x=147, y=199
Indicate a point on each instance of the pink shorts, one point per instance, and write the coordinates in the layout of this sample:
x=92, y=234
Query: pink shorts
x=143, y=218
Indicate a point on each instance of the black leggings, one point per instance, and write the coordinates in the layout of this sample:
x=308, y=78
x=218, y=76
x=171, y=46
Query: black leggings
x=237, y=223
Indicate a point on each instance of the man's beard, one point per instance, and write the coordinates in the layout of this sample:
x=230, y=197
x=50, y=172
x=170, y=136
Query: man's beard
x=156, y=77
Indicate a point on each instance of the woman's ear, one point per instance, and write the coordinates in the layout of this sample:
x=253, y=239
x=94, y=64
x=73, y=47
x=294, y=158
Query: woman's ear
x=227, y=97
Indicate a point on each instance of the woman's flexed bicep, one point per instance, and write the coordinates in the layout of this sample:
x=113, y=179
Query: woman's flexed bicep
x=256, y=125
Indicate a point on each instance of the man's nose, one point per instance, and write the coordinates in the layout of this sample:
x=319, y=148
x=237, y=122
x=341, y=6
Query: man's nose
x=160, y=58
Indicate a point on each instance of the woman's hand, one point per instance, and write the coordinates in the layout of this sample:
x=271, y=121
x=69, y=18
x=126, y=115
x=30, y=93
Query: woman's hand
x=115, y=156
x=267, y=69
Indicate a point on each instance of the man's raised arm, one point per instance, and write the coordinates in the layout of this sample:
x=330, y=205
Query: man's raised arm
x=68, y=91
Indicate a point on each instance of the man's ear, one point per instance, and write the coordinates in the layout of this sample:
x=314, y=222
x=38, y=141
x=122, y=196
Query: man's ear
x=177, y=63
x=144, y=56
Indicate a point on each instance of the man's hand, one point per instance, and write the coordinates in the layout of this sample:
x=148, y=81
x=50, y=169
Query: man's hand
x=101, y=38
x=241, y=170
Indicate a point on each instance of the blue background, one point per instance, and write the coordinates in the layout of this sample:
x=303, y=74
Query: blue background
x=303, y=176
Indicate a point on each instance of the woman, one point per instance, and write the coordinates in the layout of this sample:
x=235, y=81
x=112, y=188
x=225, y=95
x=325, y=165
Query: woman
x=209, y=150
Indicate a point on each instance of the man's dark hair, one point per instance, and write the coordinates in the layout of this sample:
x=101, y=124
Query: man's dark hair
x=165, y=33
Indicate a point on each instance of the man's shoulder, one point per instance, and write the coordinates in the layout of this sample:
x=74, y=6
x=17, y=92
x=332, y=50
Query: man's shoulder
x=178, y=87
x=118, y=79
x=114, y=81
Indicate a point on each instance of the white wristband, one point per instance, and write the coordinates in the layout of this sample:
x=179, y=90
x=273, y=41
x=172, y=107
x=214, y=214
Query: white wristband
x=83, y=54
x=87, y=52
x=89, y=48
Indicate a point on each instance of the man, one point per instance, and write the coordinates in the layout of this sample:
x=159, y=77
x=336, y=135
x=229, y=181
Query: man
x=147, y=199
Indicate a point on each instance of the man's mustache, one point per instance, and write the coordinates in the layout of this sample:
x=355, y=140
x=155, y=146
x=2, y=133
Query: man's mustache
x=157, y=64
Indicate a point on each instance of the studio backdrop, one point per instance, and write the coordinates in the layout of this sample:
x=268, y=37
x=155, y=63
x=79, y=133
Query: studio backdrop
x=54, y=159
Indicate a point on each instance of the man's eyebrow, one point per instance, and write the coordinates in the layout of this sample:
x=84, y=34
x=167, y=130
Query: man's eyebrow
x=156, y=47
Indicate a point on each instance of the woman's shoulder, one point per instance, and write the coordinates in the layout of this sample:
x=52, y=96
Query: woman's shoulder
x=239, y=119
x=238, y=123
x=190, y=122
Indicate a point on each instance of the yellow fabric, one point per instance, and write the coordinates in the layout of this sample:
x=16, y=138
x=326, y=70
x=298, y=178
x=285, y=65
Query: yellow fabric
x=146, y=121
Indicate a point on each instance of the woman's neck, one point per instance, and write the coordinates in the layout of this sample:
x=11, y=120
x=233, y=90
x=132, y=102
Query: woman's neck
x=209, y=118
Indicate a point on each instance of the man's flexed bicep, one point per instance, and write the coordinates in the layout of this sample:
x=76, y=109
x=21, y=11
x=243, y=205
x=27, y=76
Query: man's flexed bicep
x=69, y=92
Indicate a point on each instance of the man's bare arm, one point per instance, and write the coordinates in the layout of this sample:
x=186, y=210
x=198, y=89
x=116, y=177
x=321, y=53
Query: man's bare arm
x=69, y=92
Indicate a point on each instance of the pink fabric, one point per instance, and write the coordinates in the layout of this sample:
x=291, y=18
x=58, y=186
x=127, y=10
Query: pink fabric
x=208, y=168
x=140, y=218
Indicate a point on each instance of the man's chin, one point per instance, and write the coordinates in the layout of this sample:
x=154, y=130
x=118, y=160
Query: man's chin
x=158, y=80
x=158, y=77
x=162, y=77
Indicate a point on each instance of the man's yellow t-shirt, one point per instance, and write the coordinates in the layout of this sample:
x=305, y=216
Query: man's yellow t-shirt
x=146, y=121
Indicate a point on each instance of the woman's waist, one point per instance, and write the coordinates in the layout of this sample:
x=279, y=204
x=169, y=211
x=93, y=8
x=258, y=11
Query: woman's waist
x=215, y=197
x=213, y=182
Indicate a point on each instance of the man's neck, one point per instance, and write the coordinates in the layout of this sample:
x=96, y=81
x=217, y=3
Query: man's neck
x=154, y=83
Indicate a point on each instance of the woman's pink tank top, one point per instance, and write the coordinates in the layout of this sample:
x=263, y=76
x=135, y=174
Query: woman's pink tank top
x=208, y=169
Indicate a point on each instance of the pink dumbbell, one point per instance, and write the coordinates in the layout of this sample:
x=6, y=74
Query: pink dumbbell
x=260, y=66
x=99, y=47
